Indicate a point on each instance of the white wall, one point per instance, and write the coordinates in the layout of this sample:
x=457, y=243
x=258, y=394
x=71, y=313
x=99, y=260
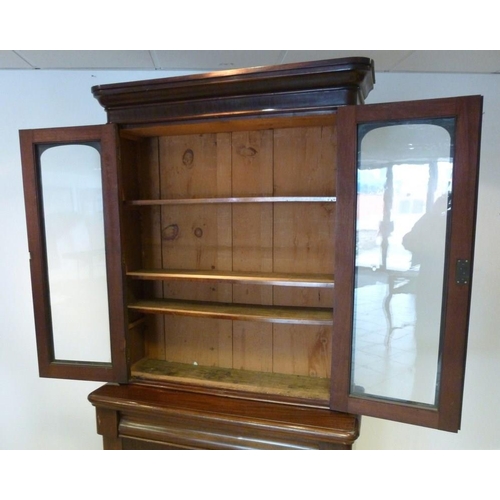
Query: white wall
x=55, y=414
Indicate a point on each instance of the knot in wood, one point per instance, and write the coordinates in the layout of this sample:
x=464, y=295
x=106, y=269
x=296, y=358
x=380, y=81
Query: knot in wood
x=188, y=158
x=246, y=151
x=170, y=232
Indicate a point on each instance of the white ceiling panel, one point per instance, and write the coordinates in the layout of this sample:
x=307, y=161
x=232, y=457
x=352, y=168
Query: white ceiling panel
x=385, y=60
x=215, y=59
x=88, y=59
x=10, y=60
x=451, y=61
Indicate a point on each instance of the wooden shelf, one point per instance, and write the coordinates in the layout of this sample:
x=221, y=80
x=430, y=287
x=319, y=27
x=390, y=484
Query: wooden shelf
x=255, y=199
x=279, y=279
x=242, y=312
x=297, y=386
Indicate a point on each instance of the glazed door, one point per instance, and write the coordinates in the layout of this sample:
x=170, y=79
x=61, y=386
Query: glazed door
x=72, y=208
x=407, y=176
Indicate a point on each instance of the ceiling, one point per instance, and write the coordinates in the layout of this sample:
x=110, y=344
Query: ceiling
x=434, y=61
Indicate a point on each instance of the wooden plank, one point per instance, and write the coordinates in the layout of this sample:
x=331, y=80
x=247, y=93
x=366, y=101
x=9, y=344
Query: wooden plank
x=304, y=239
x=252, y=176
x=192, y=166
x=248, y=278
x=270, y=314
x=305, y=161
x=191, y=339
x=303, y=243
x=196, y=237
x=227, y=125
x=302, y=349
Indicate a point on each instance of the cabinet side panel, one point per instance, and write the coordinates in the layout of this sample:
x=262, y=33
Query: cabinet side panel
x=132, y=166
x=149, y=188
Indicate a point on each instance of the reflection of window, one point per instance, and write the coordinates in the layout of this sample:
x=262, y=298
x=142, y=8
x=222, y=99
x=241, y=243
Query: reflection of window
x=401, y=230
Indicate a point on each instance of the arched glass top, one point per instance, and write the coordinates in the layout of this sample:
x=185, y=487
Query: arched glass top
x=70, y=177
x=404, y=185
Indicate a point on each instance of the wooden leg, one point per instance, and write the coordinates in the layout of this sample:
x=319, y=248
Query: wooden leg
x=107, y=427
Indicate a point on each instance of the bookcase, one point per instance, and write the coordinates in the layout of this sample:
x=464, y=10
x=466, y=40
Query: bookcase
x=221, y=236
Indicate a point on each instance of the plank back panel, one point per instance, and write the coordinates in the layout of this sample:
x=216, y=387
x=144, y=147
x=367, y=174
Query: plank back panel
x=196, y=237
x=303, y=242
x=263, y=237
x=252, y=175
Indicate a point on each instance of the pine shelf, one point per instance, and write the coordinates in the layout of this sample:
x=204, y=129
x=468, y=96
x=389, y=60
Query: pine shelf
x=242, y=312
x=283, y=385
x=245, y=199
x=247, y=278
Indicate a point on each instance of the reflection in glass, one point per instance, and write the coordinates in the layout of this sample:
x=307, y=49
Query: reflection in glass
x=404, y=186
x=74, y=231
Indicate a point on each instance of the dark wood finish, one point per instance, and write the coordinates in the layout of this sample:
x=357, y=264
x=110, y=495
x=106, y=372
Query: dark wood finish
x=465, y=195
x=456, y=301
x=107, y=426
x=148, y=417
x=117, y=370
x=317, y=87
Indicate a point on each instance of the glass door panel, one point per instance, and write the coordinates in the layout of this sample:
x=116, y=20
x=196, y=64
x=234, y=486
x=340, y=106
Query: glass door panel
x=76, y=260
x=404, y=183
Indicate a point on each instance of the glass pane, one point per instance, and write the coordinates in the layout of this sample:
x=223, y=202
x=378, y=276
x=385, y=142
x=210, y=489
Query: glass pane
x=404, y=185
x=74, y=231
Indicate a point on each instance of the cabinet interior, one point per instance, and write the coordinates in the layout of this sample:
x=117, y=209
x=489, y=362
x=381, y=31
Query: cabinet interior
x=229, y=256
